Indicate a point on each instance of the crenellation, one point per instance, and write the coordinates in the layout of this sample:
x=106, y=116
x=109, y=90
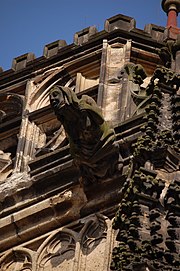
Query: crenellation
x=120, y=22
x=52, y=48
x=21, y=62
x=56, y=48
x=84, y=35
x=155, y=31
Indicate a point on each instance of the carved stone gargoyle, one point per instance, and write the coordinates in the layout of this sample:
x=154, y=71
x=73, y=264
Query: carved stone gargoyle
x=168, y=52
x=92, y=142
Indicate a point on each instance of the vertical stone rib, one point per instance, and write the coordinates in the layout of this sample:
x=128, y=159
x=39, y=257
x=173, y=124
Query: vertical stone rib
x=113, y=96
x=21, y=144
x=102, y=74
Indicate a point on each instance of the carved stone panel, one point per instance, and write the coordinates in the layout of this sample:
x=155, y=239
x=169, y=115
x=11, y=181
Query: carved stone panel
x=18, y=260
x=58, y=252
x=82, y=249
x=84, y=245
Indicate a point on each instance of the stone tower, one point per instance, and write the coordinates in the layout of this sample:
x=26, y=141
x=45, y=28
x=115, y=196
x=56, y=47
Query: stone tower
x=89, y=151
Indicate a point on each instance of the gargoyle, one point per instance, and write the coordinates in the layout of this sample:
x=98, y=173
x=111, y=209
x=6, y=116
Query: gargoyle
x=168, y=52
x=135, y=72
x=136, y=76
x=91, y=140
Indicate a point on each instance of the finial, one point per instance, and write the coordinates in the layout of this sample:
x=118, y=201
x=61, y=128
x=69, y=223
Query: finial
x=172, y=8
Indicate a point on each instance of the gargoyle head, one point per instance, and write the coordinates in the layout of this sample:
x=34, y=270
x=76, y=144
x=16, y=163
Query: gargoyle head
x=61, y=98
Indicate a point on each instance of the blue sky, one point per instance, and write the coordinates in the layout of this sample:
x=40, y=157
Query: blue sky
x=28, y=25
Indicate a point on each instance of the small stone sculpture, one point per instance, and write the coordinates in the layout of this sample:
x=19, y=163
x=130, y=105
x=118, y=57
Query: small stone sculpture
x=91, y=140
x=136, y=72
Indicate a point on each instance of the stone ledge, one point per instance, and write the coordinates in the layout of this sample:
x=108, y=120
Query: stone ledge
x=39, y=218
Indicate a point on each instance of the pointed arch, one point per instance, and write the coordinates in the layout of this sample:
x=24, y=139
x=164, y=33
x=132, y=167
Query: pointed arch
x=40, y=86
x=57, y=251
x=18, y=259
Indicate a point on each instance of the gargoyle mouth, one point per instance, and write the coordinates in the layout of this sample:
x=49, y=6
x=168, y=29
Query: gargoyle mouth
x=55, y=103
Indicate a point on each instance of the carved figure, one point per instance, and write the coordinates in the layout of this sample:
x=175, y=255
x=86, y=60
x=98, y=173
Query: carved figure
x=168, y=52
x=136, y=72
x=91, y=140
x=136, y=76
x=10, y=106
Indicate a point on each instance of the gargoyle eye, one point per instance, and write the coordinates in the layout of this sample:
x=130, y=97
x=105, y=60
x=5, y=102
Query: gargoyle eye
x=54, y=94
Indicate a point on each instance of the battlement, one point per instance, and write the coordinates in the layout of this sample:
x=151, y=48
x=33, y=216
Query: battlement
x=116, y=23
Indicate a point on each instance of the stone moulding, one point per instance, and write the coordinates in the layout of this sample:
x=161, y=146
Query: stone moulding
x=18, y=258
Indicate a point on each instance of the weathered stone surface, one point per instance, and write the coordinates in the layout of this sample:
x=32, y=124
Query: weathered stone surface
x=119, y=88
x=148, y=216
x=14, y=183
x=37, y=219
